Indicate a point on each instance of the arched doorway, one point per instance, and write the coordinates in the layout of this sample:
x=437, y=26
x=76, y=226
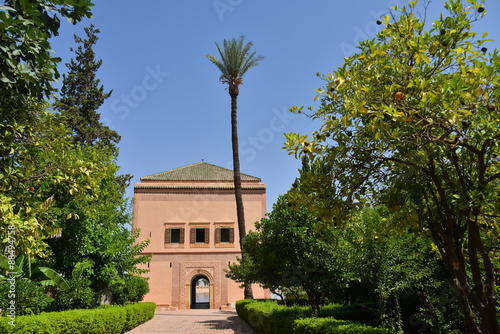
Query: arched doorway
x=200, y=292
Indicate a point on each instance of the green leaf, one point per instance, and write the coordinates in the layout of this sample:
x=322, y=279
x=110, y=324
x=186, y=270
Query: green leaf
x=4, y=265
x=57, y=279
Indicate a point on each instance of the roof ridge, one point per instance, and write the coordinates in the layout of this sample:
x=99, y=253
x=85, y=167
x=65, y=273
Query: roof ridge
x=170, y=170
x=198, y=172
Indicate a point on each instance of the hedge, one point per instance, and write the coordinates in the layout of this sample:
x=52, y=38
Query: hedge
x=368, y=315
x=267, y=317
x=333, y=326
x=106, y=320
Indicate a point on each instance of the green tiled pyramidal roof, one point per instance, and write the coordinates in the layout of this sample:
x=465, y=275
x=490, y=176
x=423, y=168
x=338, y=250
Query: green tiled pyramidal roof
x=200, y=171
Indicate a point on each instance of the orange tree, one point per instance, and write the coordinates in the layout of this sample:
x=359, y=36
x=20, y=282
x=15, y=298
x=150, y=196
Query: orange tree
x=286, y=252
x=412, y=120
x=32, y=142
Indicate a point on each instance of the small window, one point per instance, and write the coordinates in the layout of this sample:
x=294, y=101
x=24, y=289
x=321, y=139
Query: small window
x=175, y=235
x=200, y=235
x=224, y=234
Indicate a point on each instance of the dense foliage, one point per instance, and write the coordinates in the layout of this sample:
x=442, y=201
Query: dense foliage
x=63, y=211
x=364, y=262
x=268, y=317
x=111, y=319
x=79, y=295
x=286, y=252
x=31, y=297
x=82, y=95
x=38, y=166
x=412, y=121
x=27, y=66
x=95, y=228
x=131, y=289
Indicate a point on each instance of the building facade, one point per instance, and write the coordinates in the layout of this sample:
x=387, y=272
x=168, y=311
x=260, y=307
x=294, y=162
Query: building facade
x=189, y=216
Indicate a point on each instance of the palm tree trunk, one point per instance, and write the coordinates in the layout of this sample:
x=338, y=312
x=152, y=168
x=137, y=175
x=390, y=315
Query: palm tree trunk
x=237, y=182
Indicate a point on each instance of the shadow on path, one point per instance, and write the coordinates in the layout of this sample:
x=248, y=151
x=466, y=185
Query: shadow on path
x=230, y=323
x=194, y=321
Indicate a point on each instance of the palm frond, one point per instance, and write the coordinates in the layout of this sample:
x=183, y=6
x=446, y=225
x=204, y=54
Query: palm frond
x=235, y=59
x=219, y=64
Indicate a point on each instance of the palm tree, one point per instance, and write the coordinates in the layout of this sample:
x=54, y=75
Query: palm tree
x=235, y=60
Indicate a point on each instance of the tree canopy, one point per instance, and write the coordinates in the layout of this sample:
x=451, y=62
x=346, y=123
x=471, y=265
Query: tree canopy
x=64, y=202
x=95, y=224
x=412, y=121
x=82, y=95
x=32, y=142
x=286, y=252
x=235, y=60
x=27, y=67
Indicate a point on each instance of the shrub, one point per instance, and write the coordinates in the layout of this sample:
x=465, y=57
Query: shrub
x=79, y=296
x=137, y=288
x=334, y=326
x=30, y=297
x=106, y=320
x=365, y=314
x=266, y=316
x=256, y=313
x=132, y=289
x=269, y=317
x=242, y=309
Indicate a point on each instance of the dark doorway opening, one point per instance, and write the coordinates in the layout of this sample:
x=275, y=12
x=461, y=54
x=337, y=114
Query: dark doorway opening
x=200, y=292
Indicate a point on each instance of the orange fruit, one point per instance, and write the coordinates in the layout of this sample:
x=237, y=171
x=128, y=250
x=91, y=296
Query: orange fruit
x=32, y=189
x=399, y=96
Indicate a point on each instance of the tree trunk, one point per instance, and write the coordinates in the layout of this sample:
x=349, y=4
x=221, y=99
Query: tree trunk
x=315, y=302
x=237, y=182
x=449, y=236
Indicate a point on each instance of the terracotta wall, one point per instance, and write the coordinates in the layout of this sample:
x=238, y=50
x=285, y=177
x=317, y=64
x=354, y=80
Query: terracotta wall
x=173, y=265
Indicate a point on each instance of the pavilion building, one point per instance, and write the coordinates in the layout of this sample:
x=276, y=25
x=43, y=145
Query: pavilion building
x=189, y=216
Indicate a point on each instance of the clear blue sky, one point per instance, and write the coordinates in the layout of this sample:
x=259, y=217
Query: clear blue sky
x=167, y=102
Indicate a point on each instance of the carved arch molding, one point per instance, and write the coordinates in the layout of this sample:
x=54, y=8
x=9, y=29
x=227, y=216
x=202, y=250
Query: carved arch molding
x=189, y=270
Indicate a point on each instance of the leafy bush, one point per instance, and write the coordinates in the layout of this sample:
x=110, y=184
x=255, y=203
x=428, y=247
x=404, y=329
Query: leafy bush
x=29, y=296
x=132, y=289
x=137, y=287
x=256, y=313
x=334, y=326
x=365, y=314
x=79, y=296
x=242, y=309
x=112, y=319
x=266, y=316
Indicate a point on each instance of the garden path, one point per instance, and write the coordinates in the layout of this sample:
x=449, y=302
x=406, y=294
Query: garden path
x=194, y=321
